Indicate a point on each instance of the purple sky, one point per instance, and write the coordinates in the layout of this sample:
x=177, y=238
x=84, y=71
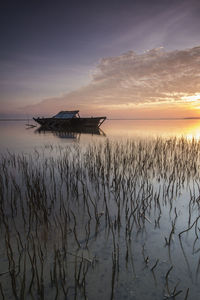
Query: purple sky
x=52, y=48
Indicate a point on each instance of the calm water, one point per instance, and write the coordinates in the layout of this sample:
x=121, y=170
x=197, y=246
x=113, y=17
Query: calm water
x=16, y=136
x=112, y=214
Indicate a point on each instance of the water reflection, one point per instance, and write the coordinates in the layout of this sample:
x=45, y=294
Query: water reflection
x=152, y=128
x=114, y=220
x=72, y=133
x=15, y=136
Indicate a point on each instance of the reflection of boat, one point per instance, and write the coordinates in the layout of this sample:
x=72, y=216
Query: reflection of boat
x=71, y=133
x=68, y=120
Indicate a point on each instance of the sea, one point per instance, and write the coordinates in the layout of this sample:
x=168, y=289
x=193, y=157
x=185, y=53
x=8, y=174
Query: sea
x=112, y=213
x=19, y=136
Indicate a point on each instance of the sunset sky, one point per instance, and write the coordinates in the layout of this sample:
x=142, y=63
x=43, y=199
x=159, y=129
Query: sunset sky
x=121, y=59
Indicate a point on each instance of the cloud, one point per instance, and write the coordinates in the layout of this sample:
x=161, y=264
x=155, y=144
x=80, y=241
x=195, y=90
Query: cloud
x=128, y=80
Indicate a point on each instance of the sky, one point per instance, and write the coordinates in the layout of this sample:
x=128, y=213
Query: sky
x=118, y=58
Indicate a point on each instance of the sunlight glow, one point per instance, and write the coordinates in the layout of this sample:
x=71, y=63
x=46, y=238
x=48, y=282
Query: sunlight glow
x=192, y=131
x=192, y=98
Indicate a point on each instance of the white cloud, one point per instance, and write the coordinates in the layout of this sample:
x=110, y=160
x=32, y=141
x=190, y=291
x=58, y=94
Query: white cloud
x=155, y=76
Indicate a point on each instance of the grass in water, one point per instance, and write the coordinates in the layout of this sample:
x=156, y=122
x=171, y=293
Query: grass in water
x=118, y=220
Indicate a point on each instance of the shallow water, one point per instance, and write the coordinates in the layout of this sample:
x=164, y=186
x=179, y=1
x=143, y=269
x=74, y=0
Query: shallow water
x=17, y=137
x=86, y=216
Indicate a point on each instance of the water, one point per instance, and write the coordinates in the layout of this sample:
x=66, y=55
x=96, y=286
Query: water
x=113, y=214
x=16, y=136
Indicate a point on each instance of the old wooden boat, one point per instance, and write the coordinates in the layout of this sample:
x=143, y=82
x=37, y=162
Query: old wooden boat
x=69, y=119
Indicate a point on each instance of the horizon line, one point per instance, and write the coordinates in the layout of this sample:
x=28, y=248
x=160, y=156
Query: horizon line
x=116, y=119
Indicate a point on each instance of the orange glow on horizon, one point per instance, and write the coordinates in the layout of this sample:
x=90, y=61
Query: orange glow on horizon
x=189, y=129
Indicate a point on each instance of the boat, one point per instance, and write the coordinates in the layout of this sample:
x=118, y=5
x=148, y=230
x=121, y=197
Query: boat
x=69, y=119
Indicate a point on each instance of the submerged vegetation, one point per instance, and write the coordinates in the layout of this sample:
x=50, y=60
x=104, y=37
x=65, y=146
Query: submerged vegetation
x=112, y=219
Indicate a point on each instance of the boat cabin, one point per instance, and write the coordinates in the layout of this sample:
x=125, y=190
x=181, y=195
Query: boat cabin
x=67, y=114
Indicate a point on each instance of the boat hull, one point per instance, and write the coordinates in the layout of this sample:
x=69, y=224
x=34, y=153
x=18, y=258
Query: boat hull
x=56, y=123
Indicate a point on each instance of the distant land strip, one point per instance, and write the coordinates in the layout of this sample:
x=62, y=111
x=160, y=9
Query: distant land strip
x=116, y=119
x=157, y=119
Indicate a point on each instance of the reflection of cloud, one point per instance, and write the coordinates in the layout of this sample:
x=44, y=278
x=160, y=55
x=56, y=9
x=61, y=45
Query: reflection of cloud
x=155, y=76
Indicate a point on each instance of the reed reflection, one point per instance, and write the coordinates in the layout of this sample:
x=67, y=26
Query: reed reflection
x=115, y=214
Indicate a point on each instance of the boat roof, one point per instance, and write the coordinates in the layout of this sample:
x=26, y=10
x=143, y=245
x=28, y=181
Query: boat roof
x=66, y=114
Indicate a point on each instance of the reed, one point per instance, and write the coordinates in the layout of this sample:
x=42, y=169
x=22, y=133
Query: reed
x=62, y=209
